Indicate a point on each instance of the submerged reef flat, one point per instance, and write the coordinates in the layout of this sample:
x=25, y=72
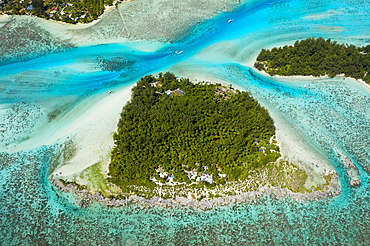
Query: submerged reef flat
x=116, y=64
x=25, y=39
x=19, y=122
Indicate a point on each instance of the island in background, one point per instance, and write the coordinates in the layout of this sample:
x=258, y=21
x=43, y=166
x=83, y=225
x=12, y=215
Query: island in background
x=316, y=57
x=71, y=11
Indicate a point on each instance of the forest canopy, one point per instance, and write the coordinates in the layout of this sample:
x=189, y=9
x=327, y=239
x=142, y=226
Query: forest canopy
x=183, y=127
x=69, y=11
x=316, y=57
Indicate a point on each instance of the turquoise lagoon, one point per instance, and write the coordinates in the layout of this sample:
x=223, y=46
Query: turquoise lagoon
x=334, y=121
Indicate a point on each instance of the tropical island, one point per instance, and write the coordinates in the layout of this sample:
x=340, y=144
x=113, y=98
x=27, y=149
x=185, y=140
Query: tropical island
x=196, y=144
x=71, y=11
x=174, y=130
x=316, y=57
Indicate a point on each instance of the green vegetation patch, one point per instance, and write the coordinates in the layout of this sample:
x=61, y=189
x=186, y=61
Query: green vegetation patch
x=96, y=181
x=286, y=175
x=172, y=125
x=316, y=57
x=69, y=11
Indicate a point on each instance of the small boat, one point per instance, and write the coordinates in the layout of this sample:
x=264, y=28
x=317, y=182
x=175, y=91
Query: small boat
x=305, y=86
x=179, y=52
x=307, y=96
x=231, y=20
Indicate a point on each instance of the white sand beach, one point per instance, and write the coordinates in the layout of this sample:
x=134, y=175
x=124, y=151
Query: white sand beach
x=92, y=130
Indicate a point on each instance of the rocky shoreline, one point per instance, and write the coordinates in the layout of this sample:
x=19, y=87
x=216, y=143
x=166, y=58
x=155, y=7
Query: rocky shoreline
x=353, y=173
x=331, y=190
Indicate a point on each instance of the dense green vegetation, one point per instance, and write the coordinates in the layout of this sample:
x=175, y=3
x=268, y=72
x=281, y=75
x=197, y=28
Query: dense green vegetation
x=316, y=57
x=196, y=125
x=70, y=11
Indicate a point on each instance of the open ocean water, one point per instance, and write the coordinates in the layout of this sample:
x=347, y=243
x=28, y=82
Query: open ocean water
x=335, y=120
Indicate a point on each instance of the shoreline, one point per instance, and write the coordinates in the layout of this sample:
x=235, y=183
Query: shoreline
x=330, y=191
x=308, y=78
x=106, y=10
x=101, y=109
x=84, y=159
x=115, y=25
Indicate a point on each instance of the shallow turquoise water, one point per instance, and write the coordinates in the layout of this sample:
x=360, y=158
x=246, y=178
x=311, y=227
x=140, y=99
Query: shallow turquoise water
x=335, y=120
